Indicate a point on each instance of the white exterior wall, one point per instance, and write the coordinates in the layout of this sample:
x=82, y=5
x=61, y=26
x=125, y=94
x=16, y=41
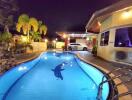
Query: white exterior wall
x=111, y=24
x=81, y=41
x=59, y=45
x=39, y=46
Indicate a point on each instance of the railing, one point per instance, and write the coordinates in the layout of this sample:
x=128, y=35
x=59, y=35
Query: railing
x=115, y=95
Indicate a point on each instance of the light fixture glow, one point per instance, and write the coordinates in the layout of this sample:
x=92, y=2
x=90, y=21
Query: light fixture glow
x=54, y=54
x=21, y=68
x=87, y=39
x=127, y=14
x=24, y=38
x=54, y=41
x=63, y=64
x=46, y=40
x=64, y=36
x=99, y=23
x=45, y=58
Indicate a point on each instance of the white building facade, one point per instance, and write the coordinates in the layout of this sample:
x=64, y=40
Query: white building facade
x=115, y=32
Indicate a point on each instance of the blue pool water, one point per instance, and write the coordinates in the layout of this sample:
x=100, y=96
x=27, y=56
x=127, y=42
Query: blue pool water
x=52, y=76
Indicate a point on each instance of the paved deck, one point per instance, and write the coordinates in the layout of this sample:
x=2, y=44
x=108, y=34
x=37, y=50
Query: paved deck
x=108, y=66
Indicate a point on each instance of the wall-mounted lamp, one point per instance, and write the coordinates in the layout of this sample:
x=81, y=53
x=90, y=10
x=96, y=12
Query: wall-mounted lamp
x=99, y=23
x=127, y=14
x=64, y=36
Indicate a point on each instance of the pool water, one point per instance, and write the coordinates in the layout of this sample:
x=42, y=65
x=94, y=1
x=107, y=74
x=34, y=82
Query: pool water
x=52, y=76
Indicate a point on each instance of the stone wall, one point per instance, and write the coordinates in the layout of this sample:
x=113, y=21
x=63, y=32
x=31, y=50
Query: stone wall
x=38, y=47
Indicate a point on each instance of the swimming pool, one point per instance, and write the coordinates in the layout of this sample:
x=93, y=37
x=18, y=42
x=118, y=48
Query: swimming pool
x=52, y=76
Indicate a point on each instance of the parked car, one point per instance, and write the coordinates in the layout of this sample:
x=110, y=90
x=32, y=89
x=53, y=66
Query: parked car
x=77, y=46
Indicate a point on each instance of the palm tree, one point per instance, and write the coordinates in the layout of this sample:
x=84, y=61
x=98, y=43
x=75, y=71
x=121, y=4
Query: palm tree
x=23, y=24
x=43, y=29
x=27, y=24
x=34, y=24
x=31, y=26
x=36, y=36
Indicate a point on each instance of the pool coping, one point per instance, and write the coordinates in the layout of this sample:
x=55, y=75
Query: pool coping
x=29, y=59
x=120, y=89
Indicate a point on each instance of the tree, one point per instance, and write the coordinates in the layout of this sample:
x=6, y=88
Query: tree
x=42, y=28
x=7, y=11
x=31, y=27
x=27, y=25
x=5, y=37
x=34, y=24
x=23, y=24
x=36, y=36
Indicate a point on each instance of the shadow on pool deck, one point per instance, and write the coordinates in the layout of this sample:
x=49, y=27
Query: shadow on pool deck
x=108, y=66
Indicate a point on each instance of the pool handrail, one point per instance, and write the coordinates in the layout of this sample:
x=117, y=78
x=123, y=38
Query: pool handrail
x=114, y=88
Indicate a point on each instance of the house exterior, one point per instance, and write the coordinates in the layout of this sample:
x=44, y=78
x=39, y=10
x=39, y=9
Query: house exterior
x=114, y=27
x=90, y=39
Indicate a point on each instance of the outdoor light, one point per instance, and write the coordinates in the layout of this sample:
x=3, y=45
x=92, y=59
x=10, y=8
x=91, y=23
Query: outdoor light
x=87, y=39
x=54, y=54
x=103, y=39
x=45, y=58
x=46, y=40
x=64, y=36
x=56, y=39
x=73, y=34
x=127, y=14
x=99, y=23
x=24, y=38
x=63, y=64
x=21, y=68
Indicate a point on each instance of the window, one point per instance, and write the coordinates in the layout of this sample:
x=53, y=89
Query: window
x=123, y=37
x=104, y=39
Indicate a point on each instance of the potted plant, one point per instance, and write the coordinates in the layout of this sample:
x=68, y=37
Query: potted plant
x=94, y=50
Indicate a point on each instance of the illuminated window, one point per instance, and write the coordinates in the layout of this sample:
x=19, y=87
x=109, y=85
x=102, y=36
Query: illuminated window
x=104, y=39
x=123, y=37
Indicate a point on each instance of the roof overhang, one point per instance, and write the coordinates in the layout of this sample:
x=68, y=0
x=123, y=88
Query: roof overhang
x=94, y=26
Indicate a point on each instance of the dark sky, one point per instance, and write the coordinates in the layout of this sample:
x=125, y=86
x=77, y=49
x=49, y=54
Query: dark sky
x=63, y=15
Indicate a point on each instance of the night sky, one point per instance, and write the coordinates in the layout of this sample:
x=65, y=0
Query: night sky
x=63, y=15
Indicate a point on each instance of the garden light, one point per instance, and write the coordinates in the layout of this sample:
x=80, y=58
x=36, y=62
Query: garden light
x=46, y=40
x=24, y=38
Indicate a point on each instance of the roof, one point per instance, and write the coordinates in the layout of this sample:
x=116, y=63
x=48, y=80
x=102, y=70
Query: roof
x=93, y=24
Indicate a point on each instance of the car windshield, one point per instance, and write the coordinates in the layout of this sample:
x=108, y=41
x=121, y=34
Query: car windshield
x=75, y=44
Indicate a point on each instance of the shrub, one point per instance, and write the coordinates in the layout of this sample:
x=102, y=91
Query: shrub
x=94, y=50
